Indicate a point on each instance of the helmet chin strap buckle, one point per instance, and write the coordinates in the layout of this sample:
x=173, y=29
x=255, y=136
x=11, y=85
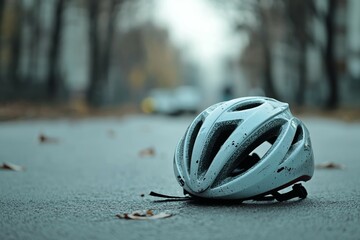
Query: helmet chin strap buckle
x=298, y=191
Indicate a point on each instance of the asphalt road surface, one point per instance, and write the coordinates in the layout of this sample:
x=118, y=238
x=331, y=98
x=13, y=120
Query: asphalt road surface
x=87, y=171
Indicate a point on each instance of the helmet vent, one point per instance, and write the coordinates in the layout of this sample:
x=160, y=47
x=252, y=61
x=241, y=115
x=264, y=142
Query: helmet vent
x=247, y=106
x=193, y=136
x=262, y=149
x=298, y=135
x=217, y=139
x=250, y=153
x=258, y=152
x=257, y=149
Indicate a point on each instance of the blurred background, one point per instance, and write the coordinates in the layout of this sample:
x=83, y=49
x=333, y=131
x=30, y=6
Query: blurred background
x=173, y=57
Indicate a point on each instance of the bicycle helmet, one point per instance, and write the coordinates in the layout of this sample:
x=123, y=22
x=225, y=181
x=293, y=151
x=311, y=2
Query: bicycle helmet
x=217, y=157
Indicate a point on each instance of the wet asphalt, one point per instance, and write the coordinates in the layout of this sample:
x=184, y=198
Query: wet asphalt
x=87, y=171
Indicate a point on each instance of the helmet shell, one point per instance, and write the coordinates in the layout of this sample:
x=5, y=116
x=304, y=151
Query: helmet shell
x=215, y=158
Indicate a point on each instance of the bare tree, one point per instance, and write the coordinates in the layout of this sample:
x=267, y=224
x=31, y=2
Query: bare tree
x=93, y=89
x=35, y=26
x=100, y=49
x=109, y=39
x=2, y=6
x=327, y=18
x=16, y=50
x=260, y=28
x=298, y=14
x=265, y=39
x=53, y=75
x=330, y=59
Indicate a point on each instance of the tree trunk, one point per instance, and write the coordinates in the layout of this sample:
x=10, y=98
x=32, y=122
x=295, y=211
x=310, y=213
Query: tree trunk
x=268, y=72
x=53, y=77
x=93, y=92
x=330, y=58
x=32, y=70
x=297, y=13
x=100, y=52
x=300, y=94
x=2, y=5
x=106, y=56
x=16, y=50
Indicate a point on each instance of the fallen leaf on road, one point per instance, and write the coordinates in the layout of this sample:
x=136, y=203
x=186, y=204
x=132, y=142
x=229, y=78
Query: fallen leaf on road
x=13, y=167
x=47, y=139
x=148, y=152
x=329, y=165
x=143, y=215
x=111, y=133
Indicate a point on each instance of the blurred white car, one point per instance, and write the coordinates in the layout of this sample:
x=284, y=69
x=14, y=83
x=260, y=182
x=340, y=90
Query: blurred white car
x=182, y=100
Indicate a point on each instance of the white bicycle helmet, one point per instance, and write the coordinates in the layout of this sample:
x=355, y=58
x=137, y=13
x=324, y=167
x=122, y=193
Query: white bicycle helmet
x=216, y=158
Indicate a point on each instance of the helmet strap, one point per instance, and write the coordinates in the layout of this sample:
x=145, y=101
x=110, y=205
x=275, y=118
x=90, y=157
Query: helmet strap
x=298, y=191
x=155, y=194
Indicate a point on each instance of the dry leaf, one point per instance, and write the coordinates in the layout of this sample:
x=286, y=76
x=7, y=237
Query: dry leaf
x=148, y=152
x=329, y=165
x=13, y=167
x=143, y=215
x=111, y=133
x=46, y=139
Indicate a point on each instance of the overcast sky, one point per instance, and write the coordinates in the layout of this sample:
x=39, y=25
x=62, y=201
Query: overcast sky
x=198, y=27
x=204, y=36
